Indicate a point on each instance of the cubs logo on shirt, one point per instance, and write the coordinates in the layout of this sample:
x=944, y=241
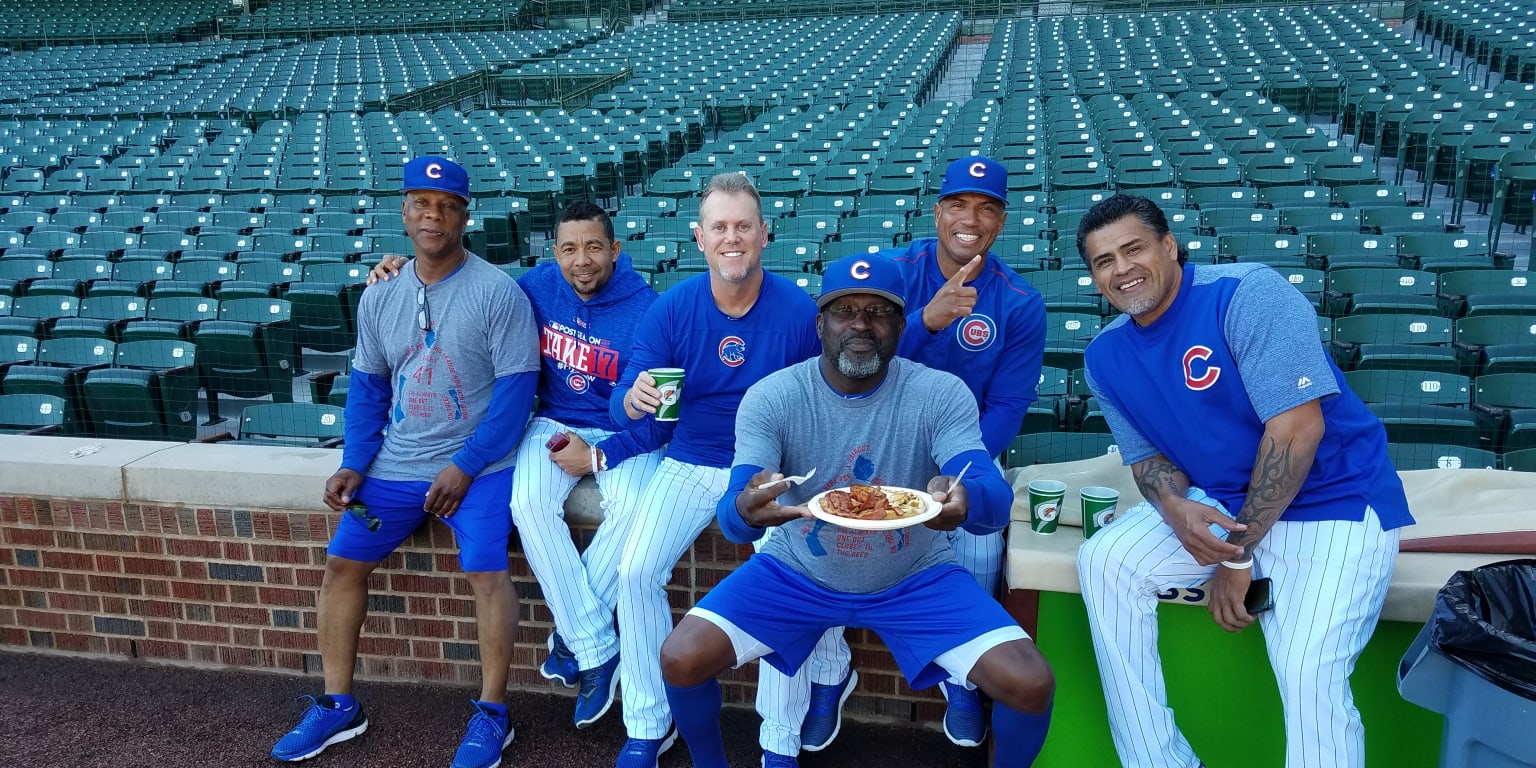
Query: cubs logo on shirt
x=577, y=382
x=976, y=332
x=733, y=351
x=1195, y=361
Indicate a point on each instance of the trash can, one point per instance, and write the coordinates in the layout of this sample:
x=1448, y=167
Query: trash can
x=1475, y=663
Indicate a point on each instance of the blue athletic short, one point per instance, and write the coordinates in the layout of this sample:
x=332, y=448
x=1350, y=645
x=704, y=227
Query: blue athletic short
x=482, y=525
x=920, y=618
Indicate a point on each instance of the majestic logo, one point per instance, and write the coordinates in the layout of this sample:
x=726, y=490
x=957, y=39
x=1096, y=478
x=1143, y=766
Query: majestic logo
x=1303, y=382
x=733, y=351
x=1211, y=373
x=434, y=171
x=577, y=382
x=859, y=270
x=979, y=170
x=976, y=332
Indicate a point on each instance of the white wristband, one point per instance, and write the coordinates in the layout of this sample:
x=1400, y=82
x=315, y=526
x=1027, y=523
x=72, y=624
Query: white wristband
x=1243, y=566
x=592, y=452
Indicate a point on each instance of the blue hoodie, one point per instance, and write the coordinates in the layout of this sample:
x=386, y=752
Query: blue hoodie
x=584, y=347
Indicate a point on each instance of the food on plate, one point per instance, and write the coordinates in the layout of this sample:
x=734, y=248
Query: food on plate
x=868, y=502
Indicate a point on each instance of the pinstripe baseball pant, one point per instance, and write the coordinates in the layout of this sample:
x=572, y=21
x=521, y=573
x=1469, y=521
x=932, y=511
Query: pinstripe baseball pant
x=1329, y=582
x=581, y=589
x=676, y=506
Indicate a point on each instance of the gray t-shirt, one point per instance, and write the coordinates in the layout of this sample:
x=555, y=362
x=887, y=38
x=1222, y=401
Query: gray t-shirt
x=482, y=328
x=901, y=435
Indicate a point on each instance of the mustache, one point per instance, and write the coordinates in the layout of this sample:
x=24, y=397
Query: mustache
x=842, y=341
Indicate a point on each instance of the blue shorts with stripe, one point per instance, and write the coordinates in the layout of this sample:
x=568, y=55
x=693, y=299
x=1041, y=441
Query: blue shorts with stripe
x=920, y=618
x=482, y=525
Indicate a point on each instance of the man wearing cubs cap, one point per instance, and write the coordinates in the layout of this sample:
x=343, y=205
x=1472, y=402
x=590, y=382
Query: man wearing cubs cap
x=971, y=315
x=443, y=379
x=858, y=414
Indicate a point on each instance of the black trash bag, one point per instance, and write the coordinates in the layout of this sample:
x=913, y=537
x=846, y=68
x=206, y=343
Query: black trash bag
x=1485, y=620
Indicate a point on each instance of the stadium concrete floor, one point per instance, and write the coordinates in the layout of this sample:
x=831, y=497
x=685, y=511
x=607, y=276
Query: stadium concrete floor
x=73, y=712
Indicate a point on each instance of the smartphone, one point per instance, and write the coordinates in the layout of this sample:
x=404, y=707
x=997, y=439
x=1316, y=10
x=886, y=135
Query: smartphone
x=1258, y=599
x=363, y=513
x=558, y=441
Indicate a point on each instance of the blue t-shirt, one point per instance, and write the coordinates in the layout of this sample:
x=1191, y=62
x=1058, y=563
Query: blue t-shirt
x=720, y=356
x=996, y=350
x=1237, y=347
x=481, y=329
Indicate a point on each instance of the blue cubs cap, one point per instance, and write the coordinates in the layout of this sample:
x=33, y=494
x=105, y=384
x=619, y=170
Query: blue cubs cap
x=439, y=173
x=978, y=174
x=862, y=273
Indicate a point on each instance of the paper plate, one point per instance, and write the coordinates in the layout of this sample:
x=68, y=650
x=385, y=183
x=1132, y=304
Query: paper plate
x=931, y=510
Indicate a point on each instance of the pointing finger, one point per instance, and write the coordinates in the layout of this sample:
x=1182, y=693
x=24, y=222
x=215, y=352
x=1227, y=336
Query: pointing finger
x=966, y=272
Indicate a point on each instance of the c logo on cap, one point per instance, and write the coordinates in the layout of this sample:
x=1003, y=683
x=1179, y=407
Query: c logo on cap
x=979, y=170
x=859, y=270
x=434, y=171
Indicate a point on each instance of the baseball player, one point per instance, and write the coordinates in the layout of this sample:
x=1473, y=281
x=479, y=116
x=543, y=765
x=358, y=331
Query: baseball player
x=971, y=315
x=726, y=329
x=1214, y=383
x=858, y=414
x=442, y=381
x=587, y=304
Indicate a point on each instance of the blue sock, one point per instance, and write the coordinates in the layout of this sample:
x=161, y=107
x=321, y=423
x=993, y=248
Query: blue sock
x=497, y=710
x=342, y=701
x=1019, y=735
x=696, y=711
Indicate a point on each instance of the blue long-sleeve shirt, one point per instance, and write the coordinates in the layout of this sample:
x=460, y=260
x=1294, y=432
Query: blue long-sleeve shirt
x=997, y=350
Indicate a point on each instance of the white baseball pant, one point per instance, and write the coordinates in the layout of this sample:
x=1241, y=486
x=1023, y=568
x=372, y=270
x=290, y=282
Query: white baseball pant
x=676, y=506
x=1329, y=582
x=581, y=589
x=782, y=701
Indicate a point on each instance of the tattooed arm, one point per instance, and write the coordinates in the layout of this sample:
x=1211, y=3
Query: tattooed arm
x=1284, y=457
x=1165, y=486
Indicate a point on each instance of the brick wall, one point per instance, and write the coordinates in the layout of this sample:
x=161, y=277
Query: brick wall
x=238, y=587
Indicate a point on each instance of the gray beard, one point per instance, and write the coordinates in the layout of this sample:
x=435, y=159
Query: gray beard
x=857, y=369
x=1140, y=306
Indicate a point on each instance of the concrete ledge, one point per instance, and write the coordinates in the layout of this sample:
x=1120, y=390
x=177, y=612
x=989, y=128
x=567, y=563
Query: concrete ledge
x=1049, y=564
x=194, y=474
x=42, y=465
x=229, y=476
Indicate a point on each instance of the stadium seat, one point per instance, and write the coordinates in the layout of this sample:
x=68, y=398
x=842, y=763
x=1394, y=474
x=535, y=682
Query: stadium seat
x=297, y=424
x=1054, y=447
x=149, y=393
x=31, y=414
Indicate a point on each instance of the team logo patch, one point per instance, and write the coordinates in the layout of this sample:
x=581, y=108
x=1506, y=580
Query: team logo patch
x=976, y=332
x=1195, y=359
x=978, y=170
x=435, y=171
x=577, y=382
x=733, y=351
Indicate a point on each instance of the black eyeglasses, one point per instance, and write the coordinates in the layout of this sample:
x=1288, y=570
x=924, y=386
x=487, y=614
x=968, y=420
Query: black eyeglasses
x=878, y=312
x=423, y=310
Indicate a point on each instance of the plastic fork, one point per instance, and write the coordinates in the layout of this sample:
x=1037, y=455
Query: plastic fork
x=792, y=480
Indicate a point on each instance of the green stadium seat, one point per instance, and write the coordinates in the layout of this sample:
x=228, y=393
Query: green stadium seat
x=149, y=393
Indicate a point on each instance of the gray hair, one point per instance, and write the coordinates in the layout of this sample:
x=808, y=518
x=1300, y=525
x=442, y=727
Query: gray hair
x=733, y=183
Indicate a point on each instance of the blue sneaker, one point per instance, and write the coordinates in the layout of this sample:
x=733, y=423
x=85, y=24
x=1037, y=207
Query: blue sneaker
x=322, y=726
x=560, y=665
x=825, y=717
x=484, y=741
x=965, y=721
x=596, y=695
x=776, y=760
x=642, y=753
